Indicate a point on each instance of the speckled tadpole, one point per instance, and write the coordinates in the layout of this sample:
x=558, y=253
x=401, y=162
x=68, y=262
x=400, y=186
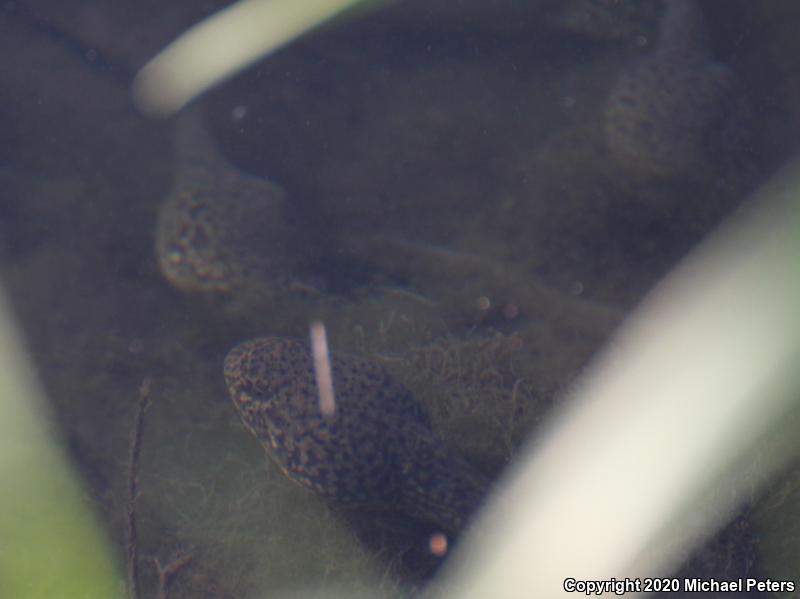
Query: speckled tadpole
x=219, y=229
x=377, y=450
x=663, y=111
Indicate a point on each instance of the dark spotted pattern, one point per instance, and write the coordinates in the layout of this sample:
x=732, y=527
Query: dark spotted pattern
x=376, y=450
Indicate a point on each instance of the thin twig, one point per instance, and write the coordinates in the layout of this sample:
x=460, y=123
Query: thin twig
x=166, y=574
x=133, y=489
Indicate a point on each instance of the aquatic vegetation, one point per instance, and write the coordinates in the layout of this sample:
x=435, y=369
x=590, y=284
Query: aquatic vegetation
x=51, y=545
x=224, y=44
x=479, y=390
x=682, y=368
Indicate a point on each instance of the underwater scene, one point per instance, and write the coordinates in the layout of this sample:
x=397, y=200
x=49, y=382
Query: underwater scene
x=463, y=200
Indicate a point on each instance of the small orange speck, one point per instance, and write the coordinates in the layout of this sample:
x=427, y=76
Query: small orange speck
x=438, y=544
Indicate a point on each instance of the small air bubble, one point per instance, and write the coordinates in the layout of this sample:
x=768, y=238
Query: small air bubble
x=239, y=112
